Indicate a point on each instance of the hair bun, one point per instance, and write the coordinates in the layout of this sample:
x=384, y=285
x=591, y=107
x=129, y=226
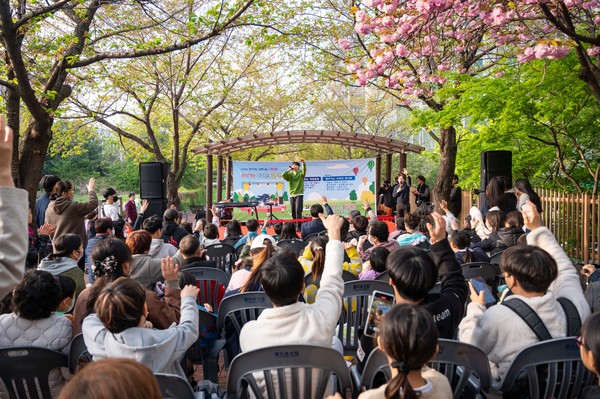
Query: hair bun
x=104, y=267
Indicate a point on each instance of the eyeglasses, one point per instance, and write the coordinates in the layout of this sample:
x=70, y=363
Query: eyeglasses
x=579, y=342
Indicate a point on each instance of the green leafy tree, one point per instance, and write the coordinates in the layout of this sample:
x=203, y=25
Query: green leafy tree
x=353, y=196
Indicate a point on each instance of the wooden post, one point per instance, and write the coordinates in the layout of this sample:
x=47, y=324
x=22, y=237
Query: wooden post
x=586, y=228
x=402, y=161
x=219, y=178
x=209, y=182
x=388, y=168
x=228, y=178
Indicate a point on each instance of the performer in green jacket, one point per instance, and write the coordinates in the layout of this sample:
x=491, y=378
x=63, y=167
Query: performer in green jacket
x=295, y=178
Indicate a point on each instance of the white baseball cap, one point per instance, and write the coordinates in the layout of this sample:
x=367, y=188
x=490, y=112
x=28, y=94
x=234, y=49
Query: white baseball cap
x=259, y=241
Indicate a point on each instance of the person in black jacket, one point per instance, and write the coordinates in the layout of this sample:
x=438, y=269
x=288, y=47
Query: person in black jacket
x=413, y=274
x=422, y=192
x=589, y=348
x=401, y=193
x=385, y=196
x=172, y=233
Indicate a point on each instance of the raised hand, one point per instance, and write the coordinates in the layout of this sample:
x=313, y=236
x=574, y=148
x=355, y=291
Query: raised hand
x=437, y=232
x=6, y=149
x=333, y=224
x=145, y=205
x=46, y=229
x=91, y=184
x=169, y=270
x=531, y=216
x=190, y=290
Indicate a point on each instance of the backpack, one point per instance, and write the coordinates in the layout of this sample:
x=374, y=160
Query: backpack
x=534, y=322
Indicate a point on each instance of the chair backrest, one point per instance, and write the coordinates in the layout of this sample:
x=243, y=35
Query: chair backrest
x=487, y=271
x=77, y=351
x=385, y=277
x=212, y=283
x=376, y=369
x=303, y=370
x=296, y=246
x=174, y=387
x=549, y=369
x=25, y=370
x=223, y=254
x=355, y=310
x=495, y=258
x=463, y=364
x=312, y=236
x=241, y=308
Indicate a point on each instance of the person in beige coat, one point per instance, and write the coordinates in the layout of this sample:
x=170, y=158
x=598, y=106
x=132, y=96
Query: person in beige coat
x=67, y=215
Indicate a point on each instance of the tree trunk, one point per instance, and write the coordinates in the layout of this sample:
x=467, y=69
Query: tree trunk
x=172, y=189
x=32, y=154
x=448, y=149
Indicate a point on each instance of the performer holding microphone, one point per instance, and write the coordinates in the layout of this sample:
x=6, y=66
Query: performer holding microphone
x=295, y=178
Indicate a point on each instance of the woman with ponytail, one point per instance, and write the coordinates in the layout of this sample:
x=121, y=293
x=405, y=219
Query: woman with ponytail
x=248, y=278
x=67, y=250
x=111, y=259
x=408, y=337
x=313, y=262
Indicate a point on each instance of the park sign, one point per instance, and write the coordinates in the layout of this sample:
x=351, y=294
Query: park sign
x=345, y=183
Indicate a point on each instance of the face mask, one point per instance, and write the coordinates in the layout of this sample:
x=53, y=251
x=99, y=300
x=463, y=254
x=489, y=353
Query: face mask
x=67, y=310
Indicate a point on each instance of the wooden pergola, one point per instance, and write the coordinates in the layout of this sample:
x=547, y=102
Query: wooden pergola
x=224, y=148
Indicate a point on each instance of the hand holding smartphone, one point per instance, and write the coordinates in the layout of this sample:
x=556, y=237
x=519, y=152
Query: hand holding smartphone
x=479, y=284
x=381, y=302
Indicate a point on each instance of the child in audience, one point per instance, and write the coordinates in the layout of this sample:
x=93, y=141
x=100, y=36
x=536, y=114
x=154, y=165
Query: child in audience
x=67, y=294
x=63, y=261
x=460, y=242
x=589, y=347
x=120, y=328
x=113, y=378
x=375, y=265
x=408, y=337
x=34, y=323
x=290, y=321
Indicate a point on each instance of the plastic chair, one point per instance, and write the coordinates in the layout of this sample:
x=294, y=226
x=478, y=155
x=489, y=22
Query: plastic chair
x=385, y=277
x=312, y=236
x=174, y=387
x=241, y=308
x=24, y=370
x=346, y=276
x=466, y=367
x=376, y=370
x=355, y=311
x=223, y=254
x=549, y=369
x=208, y=358
x=489, y=272
x=495, y=258
x=297, y=246
x=303, y=370
x=212, y=283
x=77, y=351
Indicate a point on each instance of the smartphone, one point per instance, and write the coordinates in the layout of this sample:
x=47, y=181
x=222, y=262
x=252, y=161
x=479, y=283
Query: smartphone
x=381, y=302
x=526, y=209
x=480, y=285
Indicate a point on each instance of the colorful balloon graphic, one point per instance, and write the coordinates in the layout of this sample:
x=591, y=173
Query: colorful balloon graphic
x=371, y=164
x=355, y=170
x=365, y=180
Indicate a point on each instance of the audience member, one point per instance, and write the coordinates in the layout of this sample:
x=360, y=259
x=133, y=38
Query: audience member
x=199, y=229
x=67, y=295
x=112, y=378
x=252, y=226
x=386, y=201
x=211, y=235
x=120, y=328
x=399, y=228
x=460, y=242
x=592, y=292
x=315, y=225
x=413, y=273
x=288, y=231
x=589, y=348
x=144, y=268
x=496, y=197
x=63, y=261
x=277, y=227
x=110, y=208
x=191, y=251
x=290, y=321
x=537, y=275
x=524, y=193
x=171, y=232
x=313, y=264
x=13, y=208
x=39, y=242
x=111, y=259
x=455, y=197
x=375, y=265
x=34, y=323
x=131, y=209
x=378, y=235
x=104, y=229
x=505, y=232
x=158, y=248
x=248, y=278
x=68, y=215
x=48, y=183
x=413, y=236
x=408, y=337
x=359, y=226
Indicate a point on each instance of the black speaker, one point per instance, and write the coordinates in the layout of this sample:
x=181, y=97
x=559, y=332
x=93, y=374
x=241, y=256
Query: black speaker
x=153, y=180
x=495, y=163
x=156, y=207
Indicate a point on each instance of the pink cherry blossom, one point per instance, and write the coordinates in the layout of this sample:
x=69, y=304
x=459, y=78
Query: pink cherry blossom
x=345, y=44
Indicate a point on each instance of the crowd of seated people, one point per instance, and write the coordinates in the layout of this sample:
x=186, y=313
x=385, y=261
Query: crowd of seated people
x=136, y=308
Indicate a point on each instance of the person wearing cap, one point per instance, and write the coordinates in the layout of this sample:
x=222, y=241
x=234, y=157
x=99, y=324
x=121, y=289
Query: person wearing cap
x=295, y=178
x=262, y=248
x=110, y=209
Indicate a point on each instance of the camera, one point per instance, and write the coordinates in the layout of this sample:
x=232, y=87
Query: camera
x=116, y=198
